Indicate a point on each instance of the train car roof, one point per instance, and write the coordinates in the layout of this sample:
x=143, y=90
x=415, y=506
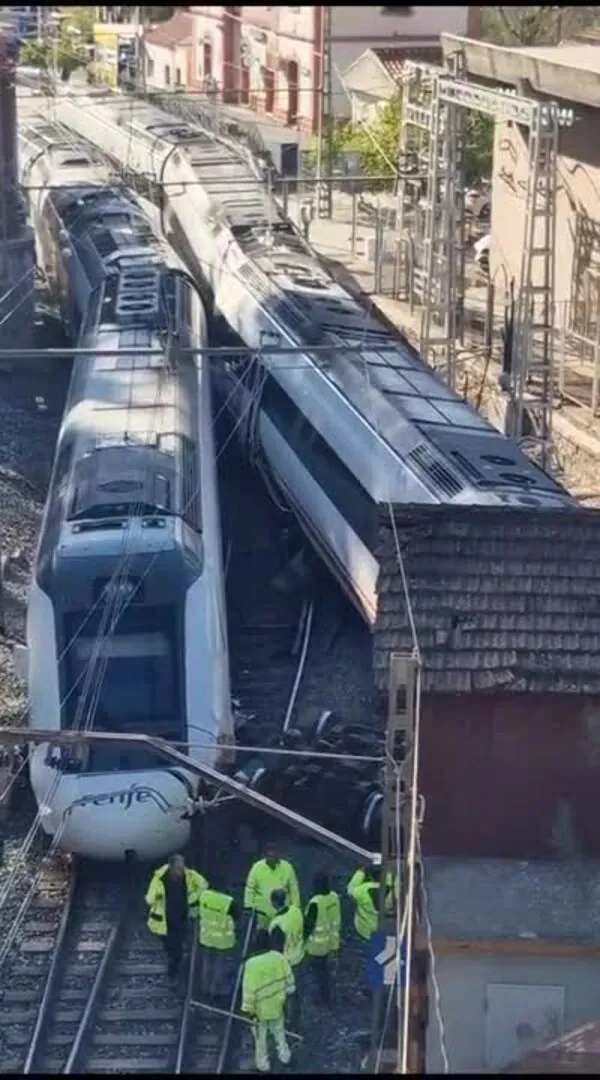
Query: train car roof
x=376, y=369
x=379, y=371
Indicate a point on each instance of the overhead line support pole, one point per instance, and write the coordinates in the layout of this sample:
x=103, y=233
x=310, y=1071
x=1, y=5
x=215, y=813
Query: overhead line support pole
x=387, y=1028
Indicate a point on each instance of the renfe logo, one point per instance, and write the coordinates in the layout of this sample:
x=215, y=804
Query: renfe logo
x=124, y=799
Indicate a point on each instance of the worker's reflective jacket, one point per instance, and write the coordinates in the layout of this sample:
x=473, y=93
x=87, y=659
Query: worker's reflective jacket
x=325, y=937
x=366, y=917
x=291, y=924
x=216, y=927
x=156, y=899
x=266, y=982
x=263, y=880
x=359, y=877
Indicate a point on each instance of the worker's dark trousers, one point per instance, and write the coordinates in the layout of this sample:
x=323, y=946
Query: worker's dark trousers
x=173, y=940
x=211, y=968
x=319, y=968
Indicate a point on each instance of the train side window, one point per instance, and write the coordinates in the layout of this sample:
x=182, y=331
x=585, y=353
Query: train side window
x=330, y=473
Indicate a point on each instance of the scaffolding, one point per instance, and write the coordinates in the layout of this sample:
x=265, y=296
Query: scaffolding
x=435, y=102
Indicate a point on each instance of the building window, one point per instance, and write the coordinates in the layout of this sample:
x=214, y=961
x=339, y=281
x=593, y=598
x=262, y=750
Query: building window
x=396, y=11
x=167, y=75
x=150, y=68
x=177, y=76
x=207, y=58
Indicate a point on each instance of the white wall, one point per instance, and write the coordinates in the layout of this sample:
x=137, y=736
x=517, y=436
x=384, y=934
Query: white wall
x=207, y=27
x=463, y=981
x=163, y=57
x=356, y=29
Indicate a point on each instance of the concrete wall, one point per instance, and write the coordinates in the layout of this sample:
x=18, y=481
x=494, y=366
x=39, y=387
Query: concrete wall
x=463, y=981
x=510, y=775
x=577, y=248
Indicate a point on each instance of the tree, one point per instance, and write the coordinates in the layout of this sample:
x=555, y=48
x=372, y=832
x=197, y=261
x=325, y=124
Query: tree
x=545, y=25
x=479, y=140
x=375, y=143
x=66, y=54
x=81, y=19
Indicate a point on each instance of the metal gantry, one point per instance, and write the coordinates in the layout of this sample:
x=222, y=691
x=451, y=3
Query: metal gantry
x=393, y=1041
x=435, y=101
x=537, y=388
x=324, y=192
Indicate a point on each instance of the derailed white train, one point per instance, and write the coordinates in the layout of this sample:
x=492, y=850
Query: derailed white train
x=126, y=622
x=342, y=431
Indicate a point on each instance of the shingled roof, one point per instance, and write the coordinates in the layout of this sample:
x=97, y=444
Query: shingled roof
x=502, y=599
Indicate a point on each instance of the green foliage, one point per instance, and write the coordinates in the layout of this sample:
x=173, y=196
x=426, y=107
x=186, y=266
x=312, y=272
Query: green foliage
x=81, y=19
x=66, y=54
x=480, y=147
x=375, y=143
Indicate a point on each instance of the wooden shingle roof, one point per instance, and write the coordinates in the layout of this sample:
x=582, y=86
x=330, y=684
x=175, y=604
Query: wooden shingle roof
x=502, y=599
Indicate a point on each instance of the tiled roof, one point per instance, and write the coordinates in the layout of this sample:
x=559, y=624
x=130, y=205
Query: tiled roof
x=178, y=30
x=502, y=599
x=392, y=58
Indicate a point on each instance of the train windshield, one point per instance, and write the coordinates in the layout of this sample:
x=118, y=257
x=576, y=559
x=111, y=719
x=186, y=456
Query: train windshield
x=125, y=683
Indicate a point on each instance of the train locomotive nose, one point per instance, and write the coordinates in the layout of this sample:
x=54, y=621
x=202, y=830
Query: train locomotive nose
x=118, y=817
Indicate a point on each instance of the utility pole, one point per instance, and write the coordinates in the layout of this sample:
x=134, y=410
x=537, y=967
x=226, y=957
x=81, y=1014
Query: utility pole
x=325, y=119
x=397, y=1034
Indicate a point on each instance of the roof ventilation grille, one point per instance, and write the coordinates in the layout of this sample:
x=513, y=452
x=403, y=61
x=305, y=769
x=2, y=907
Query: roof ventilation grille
x=138, y=291
x=424, y=458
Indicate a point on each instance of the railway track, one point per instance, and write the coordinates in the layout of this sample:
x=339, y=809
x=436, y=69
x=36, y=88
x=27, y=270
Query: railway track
x=86, y=989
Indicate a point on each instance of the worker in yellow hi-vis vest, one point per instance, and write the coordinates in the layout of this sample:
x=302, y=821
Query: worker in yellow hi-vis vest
x=173, y=895
x=322, y=929
x=267, y=982
x=264, y=878
x=218, y=915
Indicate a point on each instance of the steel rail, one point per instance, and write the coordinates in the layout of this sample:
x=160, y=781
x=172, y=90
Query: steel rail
x=306, y=635
x=51, y=978
x=184, y=1030
x=234, y=996
x=76, y=1054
